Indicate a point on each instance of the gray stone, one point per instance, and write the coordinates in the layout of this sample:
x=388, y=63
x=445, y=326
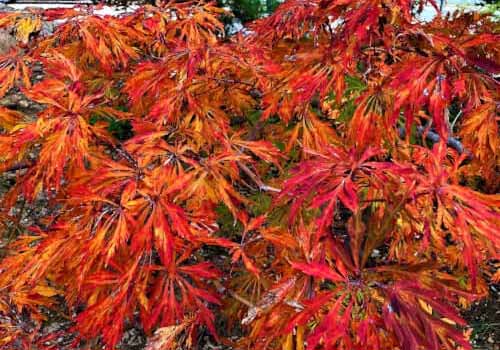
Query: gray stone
x=7, y=42
x=10, y=101
x=24, y=104
x=48, y=28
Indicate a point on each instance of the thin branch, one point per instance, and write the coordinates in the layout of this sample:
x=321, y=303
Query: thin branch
x=230, y=81
x=262, y=186
x=18, y=166
x=222, y=289
x=434, y=137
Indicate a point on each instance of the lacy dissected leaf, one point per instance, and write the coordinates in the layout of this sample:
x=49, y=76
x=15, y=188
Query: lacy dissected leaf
x=330, y=177
x=479, y=131
x=22, y=24
x=470, y=217
x=9, y=118
x=26, y=26
x=13, y=70
x=95, y=39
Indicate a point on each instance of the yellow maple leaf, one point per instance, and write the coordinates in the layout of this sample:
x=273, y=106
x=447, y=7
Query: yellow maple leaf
x=26, y=26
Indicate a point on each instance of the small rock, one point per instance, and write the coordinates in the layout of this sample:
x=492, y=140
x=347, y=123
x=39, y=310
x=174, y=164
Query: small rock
x=7, y=42
x=133, y=338
x=47, y=28
x=24, y=104
x=10, y=101
x=37, y=68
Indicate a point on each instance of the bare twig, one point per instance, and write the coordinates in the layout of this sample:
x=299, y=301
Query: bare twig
x=222, y=289
x=434, y=137
x=17, y=166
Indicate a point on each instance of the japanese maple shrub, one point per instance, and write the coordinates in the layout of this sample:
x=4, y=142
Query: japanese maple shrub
x=325, y=180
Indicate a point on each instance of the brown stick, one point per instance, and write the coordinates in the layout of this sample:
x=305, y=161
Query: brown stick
x=17, y=166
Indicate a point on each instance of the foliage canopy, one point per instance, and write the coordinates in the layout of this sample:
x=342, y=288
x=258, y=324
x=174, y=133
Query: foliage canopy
x=341, y=156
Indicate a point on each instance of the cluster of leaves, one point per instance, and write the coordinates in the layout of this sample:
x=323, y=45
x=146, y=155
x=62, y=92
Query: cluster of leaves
x=340, y=157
